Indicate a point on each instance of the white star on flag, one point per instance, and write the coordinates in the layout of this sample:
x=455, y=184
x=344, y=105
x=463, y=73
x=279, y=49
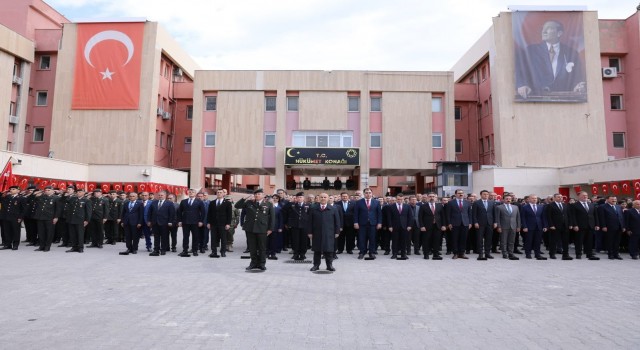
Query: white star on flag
x=107, y=74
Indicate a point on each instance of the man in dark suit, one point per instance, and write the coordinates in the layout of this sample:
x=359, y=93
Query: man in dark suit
x=367, y=218
x=611, y=222
x=13, y=208
x=534, y=223
x=400, y=219
x=549, y=66
x=583, y=218
x=347, y=235
x=219, y=223
x=259, y=222
x=383, y=235
x=191, y=216
x=162, y=215
x=146, y=230
x=132, y=219
x=507, y=218
x=458, y=218
x=323, y=229
x=432, y=223
x=482, y=216
x=173, y=230
x=557, y=215
x=414, y=207
x=632, y=222
x=297, y=215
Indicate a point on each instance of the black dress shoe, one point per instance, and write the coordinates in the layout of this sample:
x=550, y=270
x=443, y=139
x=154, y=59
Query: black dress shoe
x=262, y=267
x=528, y=256
x=214, y=255
x=552, y=257
x=566, y=257
x=72, y=250
x=372, y=256
x=540, y=258
x=349, y=251
x=394, y=256
x=513, y=257
x=516, y=251
x=46, y=249
x=134, y=252
x=386, y=252
x=480, y=257
x=154, y=253
x=126, y=252
x=195, y=253
x=416, y=252
x=250, y=267
x=246, y=251
x=591, y=257
x=5, y=248
x=437, y=257
x=184, y=254
x=80, y=250
x=304, y=257
x=330, y=268
x=14, y=248
x=60, y=246
x=426, y=257
x=339, y=252
x=409, y=253
x=578, y=256
x=201, y=250
x=462, y=256
x=314, y=268
x=360, y=256
x=223, y=254
x=162, y=252
x=617, y=257
x=489, y=256
x=173, y=250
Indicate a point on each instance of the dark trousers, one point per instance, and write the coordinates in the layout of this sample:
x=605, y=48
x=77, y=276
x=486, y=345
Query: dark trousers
x=347, y=238
x=584, y=238
x=11, y=233
x=286, y=237
x=96, y=229
x=257, y=243
x=415, y=238
x=383, y=237
x=274, y=242
x=449, y=240
x=111, y=230
x=562, y=235
x=31, y=228
x=532, y=241
x=613, y=242
x=131, y=236
x=173, y=232
x=472, y=240
x=367, y=239
x=484, y=239
x=299, y=241
x=400, y=238
x=146, y=230
x=61, y=231
x=459, y=239
x=633, y=244
x=192, y=229
x=45, y=232
x=431, y=240
x=218, y=236
x=204, y=237
x=328, y=258
x=160, y=238
x=76, y=235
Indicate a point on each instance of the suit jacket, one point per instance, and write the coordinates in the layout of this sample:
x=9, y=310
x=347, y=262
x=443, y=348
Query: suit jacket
x=504, y=220
x=632, y=221
x=13, y=208
x=297, y=215
x=456, y=216
x=400, y=220
x=481, y=215
x=191, y=214
x=583, y=218
x=133, y=216
x=611, y=219
x=426, y=217
x=533, y=221
x=323, y=226
x=557, y=218
x=219, y=215
x=346, y=216
x=161, y=215
x=534, y=69
x=363, y=215
x=77, y=210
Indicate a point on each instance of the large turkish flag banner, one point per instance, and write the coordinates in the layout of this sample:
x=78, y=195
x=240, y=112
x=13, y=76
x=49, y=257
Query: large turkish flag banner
x=108, y=65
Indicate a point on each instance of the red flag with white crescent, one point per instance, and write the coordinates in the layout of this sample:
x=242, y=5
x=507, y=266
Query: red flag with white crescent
x=108, y=65
x=91, y=186
x=62, y=185
x=117, y=187
x=6, y=177
x=105, y=187
x=142, y=187
x=626, y=189
x=615, y=188
x=128, y=188
x=636, y=185
x=605, y=188
x=594, y=189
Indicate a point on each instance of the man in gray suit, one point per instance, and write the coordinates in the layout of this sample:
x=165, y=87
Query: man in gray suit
x=507, y=218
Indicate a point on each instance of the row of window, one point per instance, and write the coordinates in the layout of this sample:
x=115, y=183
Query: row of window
x=211, y=104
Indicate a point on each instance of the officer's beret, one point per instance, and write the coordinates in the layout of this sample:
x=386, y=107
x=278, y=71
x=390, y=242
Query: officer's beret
x=32, y=187
x=300, y=194
x=12, y=187
x=258, y=191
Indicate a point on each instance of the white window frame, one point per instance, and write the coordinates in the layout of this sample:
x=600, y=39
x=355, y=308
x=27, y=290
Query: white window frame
x=35, y=133
x=377, y=135
x=299, y=138
x=40, y=63
x=46, y=98
x=438, y=135
x=266, y=104
x=215, y=103
x=349, y=99
x=209, y=133
x=438, y=104
x=266, y=136
x=621, y=100
x=289, y=100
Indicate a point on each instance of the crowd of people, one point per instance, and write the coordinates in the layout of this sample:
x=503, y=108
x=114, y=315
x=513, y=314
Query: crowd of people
x=325, y=224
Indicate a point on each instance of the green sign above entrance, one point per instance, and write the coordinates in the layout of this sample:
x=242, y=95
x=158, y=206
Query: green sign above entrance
x=321, y=156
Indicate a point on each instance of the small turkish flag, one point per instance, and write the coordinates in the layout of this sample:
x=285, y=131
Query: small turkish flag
x=108, y=64
x=615, y=188
x=81, y=185
x=105, y=188
x=43, y=184
x=142, y=187
x=24, y=183
x=54, y=184
x=636, y=185
x=626, y=189
x=117, y=187
x=128, y=188
x=605, y=188
x=62, y=185
x=594, y=189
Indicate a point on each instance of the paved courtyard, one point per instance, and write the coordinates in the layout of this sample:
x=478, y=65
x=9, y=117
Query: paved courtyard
x=100, y=300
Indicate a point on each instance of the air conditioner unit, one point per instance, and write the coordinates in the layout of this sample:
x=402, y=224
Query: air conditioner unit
x=609, y=72
x=166, y=116
x=177, y=72
x=14, y=119
x=160, y=111
x=17, y=80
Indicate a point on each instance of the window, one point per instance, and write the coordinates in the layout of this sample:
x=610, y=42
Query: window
x=486, y=107
x=209, y=139
x=189, y=112
x=436, y=140
x=45, y=62
x=354, y=104
x=162, y=137
x=618, y=140
x=484, y=73
x=211, y=103
x=322, y=139
x=38, y=134
x=457, y=113
x=375, y=140
x=292, y=103
x=436, y=104
x=187, y=144
x=458, y=146
x=616, y=102
x=270, y=103
x=269, y=139
x=376, y=104
x=41, y=98
x=12, y=108
x=615, y=63
x=169, y=140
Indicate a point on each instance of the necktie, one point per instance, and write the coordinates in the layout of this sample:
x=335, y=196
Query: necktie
x=585, y=205
x=433, y=209
x=460, y=204
x=368, y=204
x=160, y=204
x=485, y=204
x=130, y=206
x=218, y=202
x=190, y=201
x=322, y=208
x=534, y=208
x=552, y=53
x=345, y=205
x=399, y=208
x=509, y=209
x=560, y=206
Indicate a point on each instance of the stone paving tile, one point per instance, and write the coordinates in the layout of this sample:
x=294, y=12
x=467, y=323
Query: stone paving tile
x=100, y=300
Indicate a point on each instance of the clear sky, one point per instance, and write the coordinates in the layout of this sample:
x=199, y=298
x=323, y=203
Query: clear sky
x=327, y=35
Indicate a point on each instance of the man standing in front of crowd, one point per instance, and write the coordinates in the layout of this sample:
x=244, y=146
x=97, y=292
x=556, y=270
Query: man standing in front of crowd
x=347, y=236
x=46, y=216
x=534, y=223
x=162, y=215
x=458, y=216
x=113, y=217
x=78, y=213
x=191, y=217
x=132, y=219
x=367, y=219
x=146, y=230
x=611, y=222
x=632, y=223
x=324, y=228
x=297, y=221
x=432, y=224
x=583, y=218
x=173, y=229
x=260, y=220
x=507, y=218
x=482, y=216
x=219, y=223
x=400, y=220
x=558, y=222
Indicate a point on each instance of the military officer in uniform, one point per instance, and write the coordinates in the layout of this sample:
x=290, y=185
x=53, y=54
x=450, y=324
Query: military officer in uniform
x=114, y=205
x=62, y=229
x=13, y=207
x=30, y=223
x=260, y=219
x=297, y=215
x=46, y=217
x=78, y=213
x=99, y=214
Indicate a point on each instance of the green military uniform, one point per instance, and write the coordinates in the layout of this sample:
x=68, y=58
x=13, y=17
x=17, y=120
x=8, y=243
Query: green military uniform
x=77, y=212
x=259, y=218
x=235, y=218
x=46, y=208
x=99, y=213
x=111, y=226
